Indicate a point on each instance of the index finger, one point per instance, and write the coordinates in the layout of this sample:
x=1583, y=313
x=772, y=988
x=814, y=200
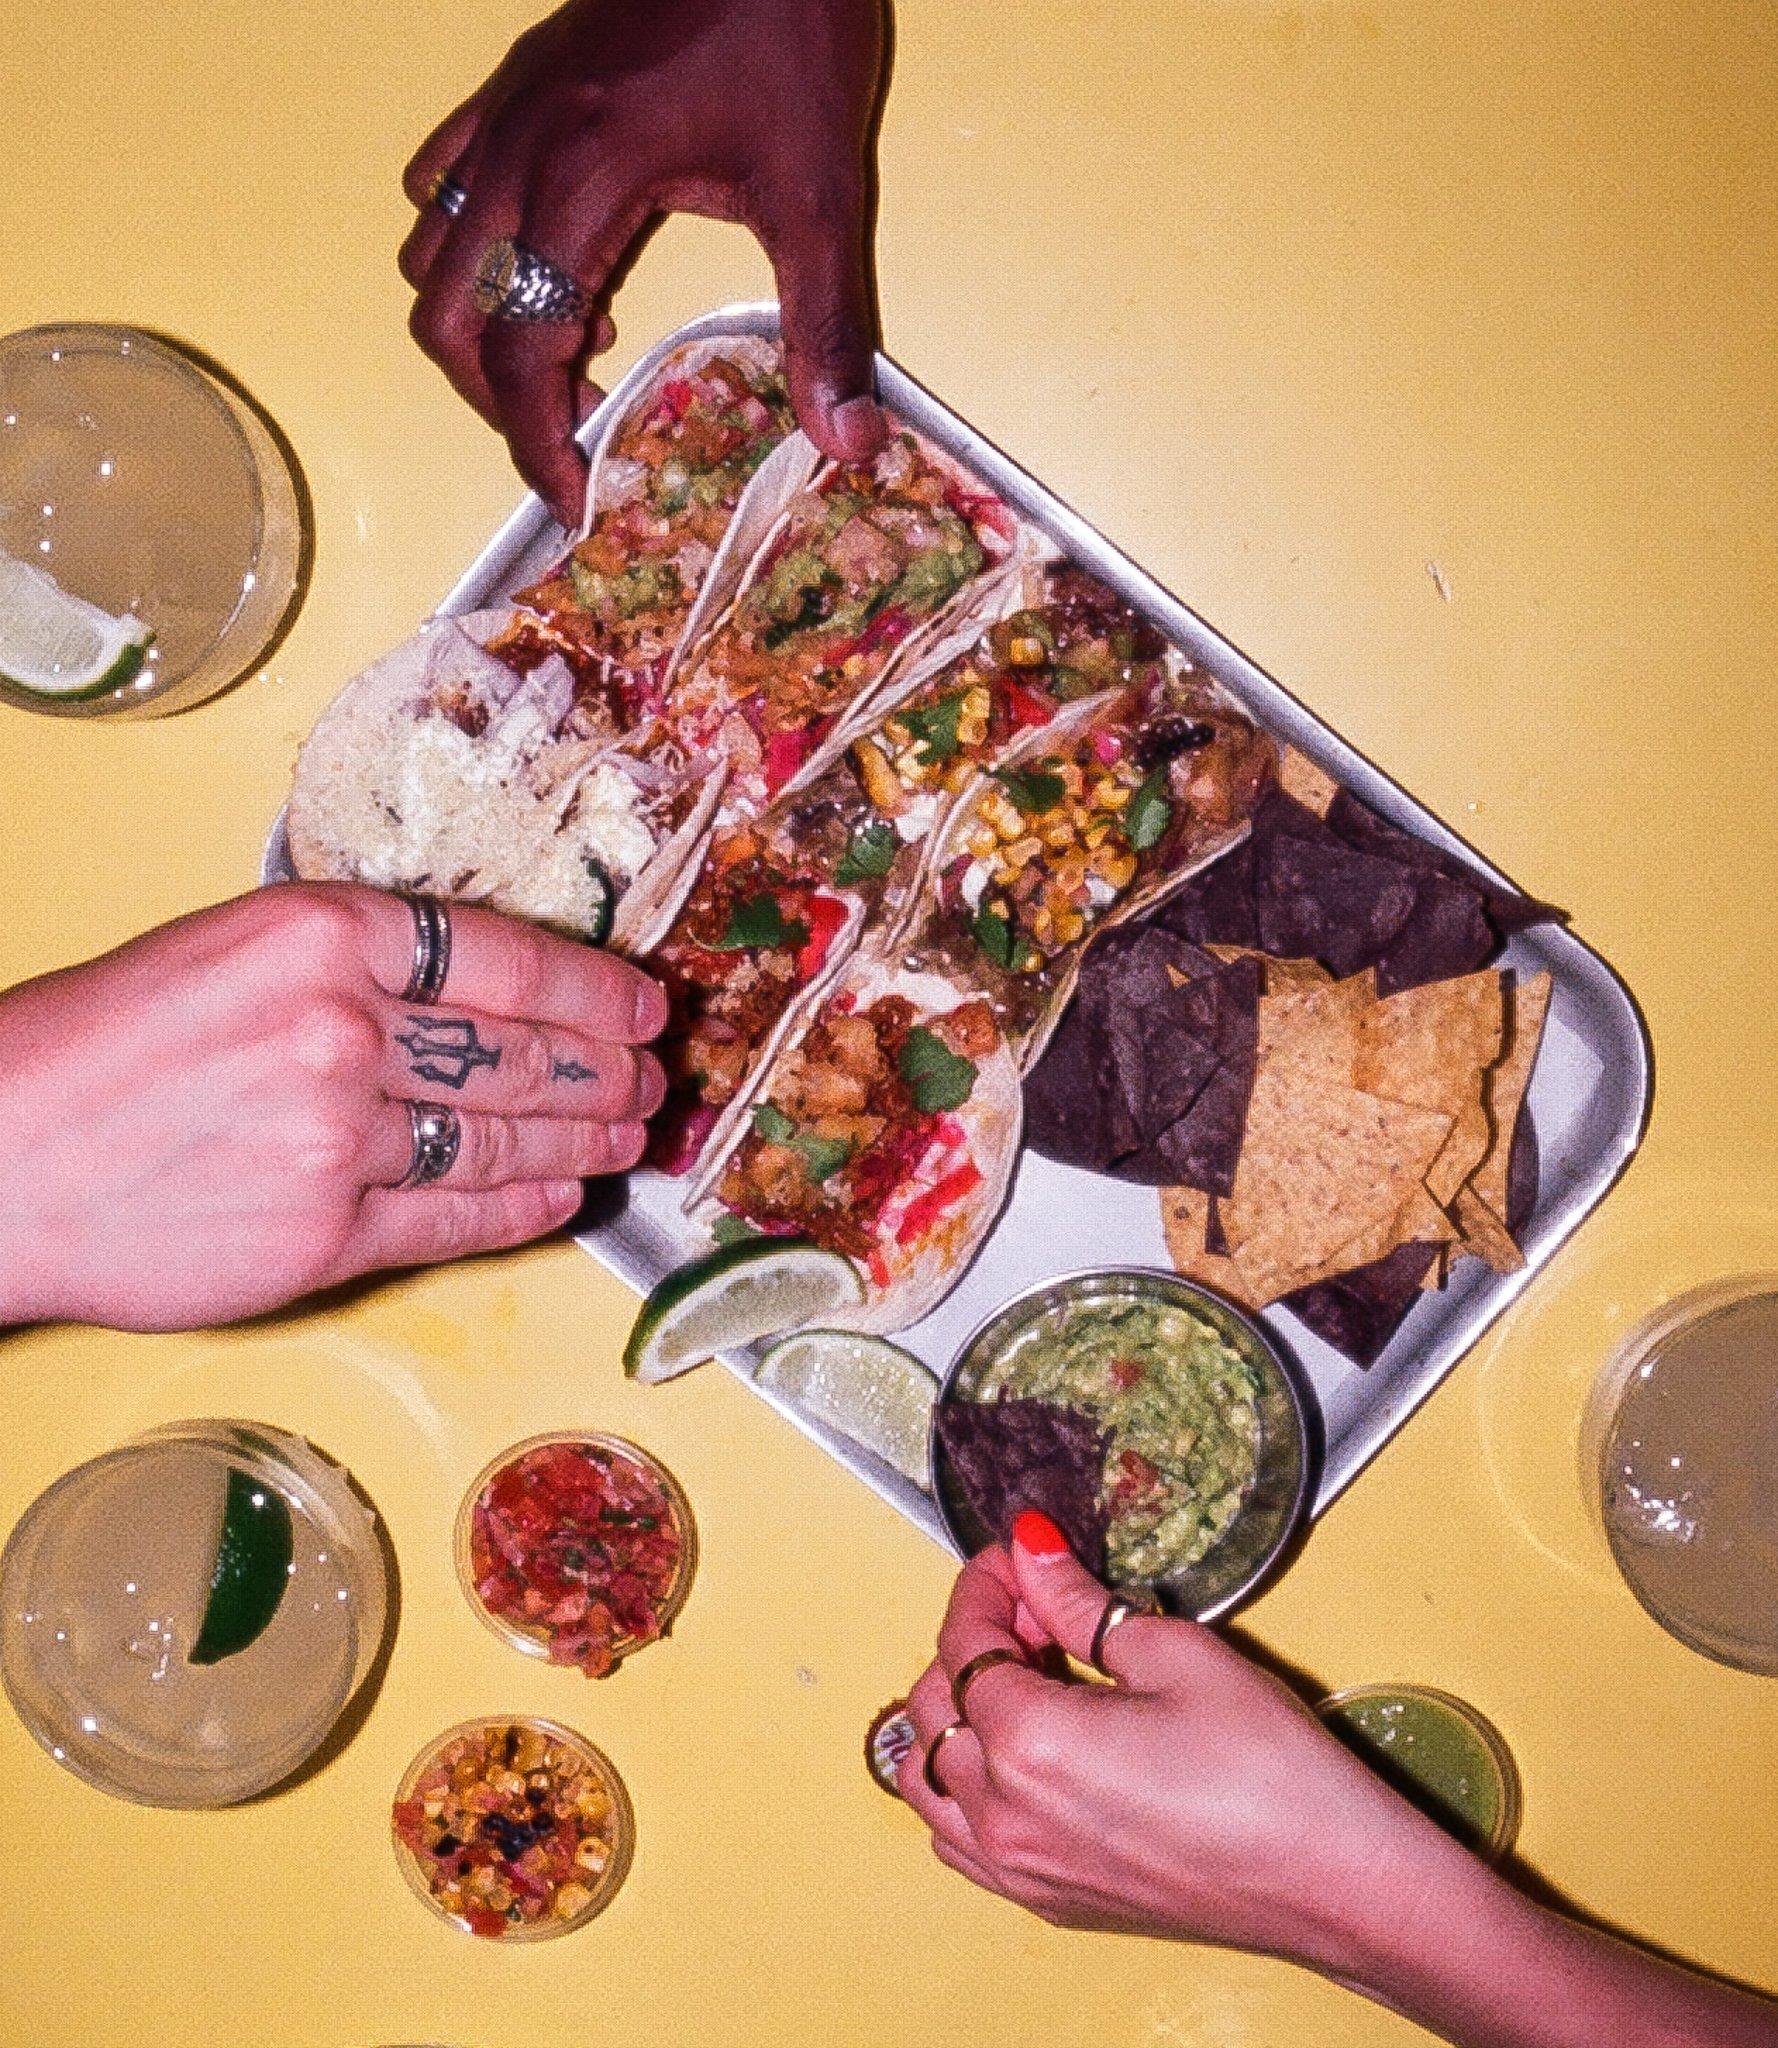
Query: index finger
x=512, y=969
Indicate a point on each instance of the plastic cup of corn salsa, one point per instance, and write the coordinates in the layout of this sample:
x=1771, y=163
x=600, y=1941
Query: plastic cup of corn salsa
x=575, y=1900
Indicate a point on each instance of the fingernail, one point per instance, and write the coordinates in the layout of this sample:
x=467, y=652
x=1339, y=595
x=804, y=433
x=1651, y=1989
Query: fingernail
x=858, y=425
x=565, y=1197
x=1037, y=1535
x=648, y=1010
x=627, y=1142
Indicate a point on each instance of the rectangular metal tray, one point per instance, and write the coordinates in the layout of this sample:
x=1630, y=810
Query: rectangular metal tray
x=1589, y=1096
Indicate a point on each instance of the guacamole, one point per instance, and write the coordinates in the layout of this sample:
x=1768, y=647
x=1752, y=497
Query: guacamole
x=1178, y=1404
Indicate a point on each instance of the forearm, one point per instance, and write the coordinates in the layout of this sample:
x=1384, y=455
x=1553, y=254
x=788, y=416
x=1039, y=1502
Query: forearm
x=1483, y=1966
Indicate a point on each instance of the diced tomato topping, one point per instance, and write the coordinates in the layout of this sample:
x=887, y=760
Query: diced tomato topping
x=1108, y=748
x=879, y=1268
x=925, y=1210
x=890, y=626
x=785, y=753
x=824, y=916
x=1136, y=1476
x=1125, y=1374
x=1026, y=706
x=678, y=396
x=484, y=1920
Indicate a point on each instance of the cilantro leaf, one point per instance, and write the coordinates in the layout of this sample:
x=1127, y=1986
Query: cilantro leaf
x=993, y=932
x=759, y=921
x=732, y=1229
x=1148, y=813
x=935, y=726
x=940, y=1078
x=1032, y=790
x=772, y=1124
x=869, y=852
x=822, y=1156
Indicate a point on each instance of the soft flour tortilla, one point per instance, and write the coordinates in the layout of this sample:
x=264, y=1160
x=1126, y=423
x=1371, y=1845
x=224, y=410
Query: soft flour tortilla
x=921, y=1275
x=501, y=804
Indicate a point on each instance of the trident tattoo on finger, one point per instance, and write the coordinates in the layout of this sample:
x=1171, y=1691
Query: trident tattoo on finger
x=446, y=1049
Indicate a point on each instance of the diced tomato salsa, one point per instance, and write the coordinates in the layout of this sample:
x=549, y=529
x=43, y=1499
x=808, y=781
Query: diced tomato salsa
x=580, y=1544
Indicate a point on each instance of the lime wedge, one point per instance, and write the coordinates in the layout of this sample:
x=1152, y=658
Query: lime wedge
x=867, y=1388
x=252, y=1569
x=61, y=646
x=740, y=1292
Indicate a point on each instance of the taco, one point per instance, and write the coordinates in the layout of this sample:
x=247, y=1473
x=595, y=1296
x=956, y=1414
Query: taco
x=874, y=571
x=442, y=769
x=755, y=936
x=1118, y=800
x=683, y=486
x=886, y=1128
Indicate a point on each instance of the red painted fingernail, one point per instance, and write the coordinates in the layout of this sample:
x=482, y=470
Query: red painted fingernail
x=1036, y=1534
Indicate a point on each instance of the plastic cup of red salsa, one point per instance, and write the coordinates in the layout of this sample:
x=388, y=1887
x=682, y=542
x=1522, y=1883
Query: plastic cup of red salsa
x=513, y=1889
x=564, y=1523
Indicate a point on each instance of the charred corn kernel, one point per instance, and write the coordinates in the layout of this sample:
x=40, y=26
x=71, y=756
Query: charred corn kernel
x=1116, y=797
x=956, y=775
x=1057, y=832
x=910, y=764
x=977, y=703
x=1043, y=926
x=971, y=731
x=1073, y=777
x=1096, y=831
x=1022, y=852
x=1115, y=865
x=984, y=842
x=877, y=776
x=571, y=1899
x=1025, y=650
x=1071, y=871
x=1069, y=926
x=592, y=1854
x=853, y=665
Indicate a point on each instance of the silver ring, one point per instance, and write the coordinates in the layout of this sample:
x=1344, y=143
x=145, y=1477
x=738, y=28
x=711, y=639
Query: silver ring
x=1130, y=1601
x=448, y=195
x=432, y=949
x=515, y=283
x=438, y=1133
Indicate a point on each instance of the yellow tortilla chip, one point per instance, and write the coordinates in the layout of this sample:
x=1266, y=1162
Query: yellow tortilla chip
x=1185, y=1219
x=1307, y=781
x=1314, y=1029
x=1462, y=1152
x=1438, y=1272
x=1419, y=1220
x=1321, y=1167
x=1484, y=1233
x=1505, y=1086
x=1277, y=974
x=1428, y=1044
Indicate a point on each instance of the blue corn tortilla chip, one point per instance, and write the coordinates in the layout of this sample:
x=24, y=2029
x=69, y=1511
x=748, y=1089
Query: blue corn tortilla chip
x=1006, y=1456
x=1509, y=910
x=1148, y=1077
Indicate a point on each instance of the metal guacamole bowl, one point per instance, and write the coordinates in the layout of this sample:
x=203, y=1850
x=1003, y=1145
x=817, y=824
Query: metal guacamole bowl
x=1276, y=1503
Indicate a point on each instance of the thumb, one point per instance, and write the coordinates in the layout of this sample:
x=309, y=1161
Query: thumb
x=1069, y=1602
x=821, y=257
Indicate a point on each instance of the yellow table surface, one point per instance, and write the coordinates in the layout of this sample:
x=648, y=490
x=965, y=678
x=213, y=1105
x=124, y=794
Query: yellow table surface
x=1297, y=301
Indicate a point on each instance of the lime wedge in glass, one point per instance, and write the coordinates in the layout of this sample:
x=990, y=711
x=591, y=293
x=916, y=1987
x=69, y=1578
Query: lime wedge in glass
x=865, y=1387
x=740, y=1292
x=252, y=1569
x=61, y=646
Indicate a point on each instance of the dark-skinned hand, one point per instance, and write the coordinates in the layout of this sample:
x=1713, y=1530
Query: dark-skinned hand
x=612, y=113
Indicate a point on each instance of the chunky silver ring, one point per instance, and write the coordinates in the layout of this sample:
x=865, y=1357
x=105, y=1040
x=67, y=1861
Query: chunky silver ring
x=432, y=949
x=515, y=283
x=438, y=1133
x=1119, y=1608
x=448, y=195
x=929, y=1770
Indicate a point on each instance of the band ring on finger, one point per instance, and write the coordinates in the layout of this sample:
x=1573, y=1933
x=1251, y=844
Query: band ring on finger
x=1122, y=1605
x=516, y=283
x=432, y=949
x=929, y=1769
x=983, y=1660
x=449, y=195
x=437, y=1133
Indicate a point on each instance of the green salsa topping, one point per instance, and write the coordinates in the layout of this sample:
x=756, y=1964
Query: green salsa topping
x=1178, y=1403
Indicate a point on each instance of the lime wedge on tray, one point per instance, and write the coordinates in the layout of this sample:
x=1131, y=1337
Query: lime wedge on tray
x=867, y=1388
x=740, y=1292
x=58, y=645
x=251, y=1571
